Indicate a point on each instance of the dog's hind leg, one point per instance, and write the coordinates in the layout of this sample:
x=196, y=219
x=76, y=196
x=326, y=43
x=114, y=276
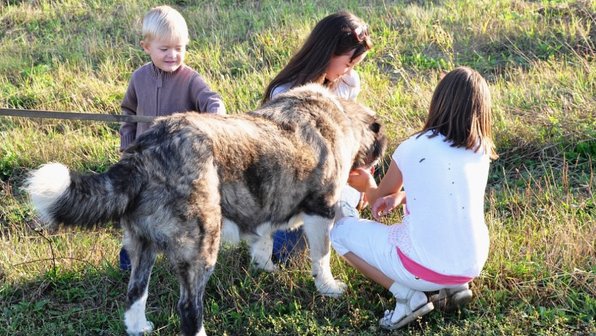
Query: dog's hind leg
x=317, y=230
x=193, y=265
x=193, y=277
x=142, y=254
x=195, y=254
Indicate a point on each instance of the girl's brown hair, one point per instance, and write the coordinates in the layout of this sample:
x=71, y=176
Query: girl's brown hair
x=460, y=109
x=335, y=35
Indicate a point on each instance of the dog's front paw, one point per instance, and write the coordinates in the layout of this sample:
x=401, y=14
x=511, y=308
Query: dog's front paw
x=139, y=330
x=333, y=288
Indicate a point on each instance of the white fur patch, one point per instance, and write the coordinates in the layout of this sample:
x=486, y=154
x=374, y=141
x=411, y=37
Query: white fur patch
x=262, y=247
x=230, y=233
x=45, y=185
x=295, y=222
x=135, y=319
x=317, y=230
x=261, y=243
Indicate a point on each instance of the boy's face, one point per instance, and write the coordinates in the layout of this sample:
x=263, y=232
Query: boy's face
x=166, y=55
x=342, y=64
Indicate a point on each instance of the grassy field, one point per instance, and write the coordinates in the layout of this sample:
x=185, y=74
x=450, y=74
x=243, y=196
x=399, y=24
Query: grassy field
x=538, y=56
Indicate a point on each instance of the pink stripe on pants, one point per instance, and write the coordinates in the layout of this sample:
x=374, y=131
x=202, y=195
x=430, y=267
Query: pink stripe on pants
x=430, y=275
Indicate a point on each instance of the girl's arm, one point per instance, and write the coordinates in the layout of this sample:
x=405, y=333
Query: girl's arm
x=363, y=181
x=391, y=183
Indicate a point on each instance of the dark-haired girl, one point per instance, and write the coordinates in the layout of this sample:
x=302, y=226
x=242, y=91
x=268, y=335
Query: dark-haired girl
x=337, y=44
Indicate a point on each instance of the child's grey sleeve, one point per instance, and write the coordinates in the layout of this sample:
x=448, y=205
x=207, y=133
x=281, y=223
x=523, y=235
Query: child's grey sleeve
x=206, y=100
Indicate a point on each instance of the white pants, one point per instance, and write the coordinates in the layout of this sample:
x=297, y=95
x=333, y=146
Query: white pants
x=369, y=241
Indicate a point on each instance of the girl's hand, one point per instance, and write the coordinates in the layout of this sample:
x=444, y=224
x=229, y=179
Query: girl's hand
x=384, y=205
x=361, y=179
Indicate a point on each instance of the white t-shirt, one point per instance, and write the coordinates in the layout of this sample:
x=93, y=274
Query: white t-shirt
x=348, y=86
x=444, y=188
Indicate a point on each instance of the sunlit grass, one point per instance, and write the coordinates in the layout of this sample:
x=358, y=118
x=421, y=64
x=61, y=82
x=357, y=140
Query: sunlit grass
x=539, y=60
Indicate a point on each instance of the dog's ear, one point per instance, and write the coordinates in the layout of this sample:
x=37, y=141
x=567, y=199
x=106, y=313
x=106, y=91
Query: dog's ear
x=380, y=142
x=374, y=141
x=375, y=127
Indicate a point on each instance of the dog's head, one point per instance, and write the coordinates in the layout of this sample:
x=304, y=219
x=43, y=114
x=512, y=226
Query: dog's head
x=315, y=104
x=369, y=131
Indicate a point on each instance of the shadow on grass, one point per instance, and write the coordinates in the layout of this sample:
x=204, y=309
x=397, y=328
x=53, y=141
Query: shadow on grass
x=87, y=299
x=90, y=300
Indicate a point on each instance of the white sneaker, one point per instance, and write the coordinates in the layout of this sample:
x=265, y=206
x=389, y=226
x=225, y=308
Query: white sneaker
x=407, y=309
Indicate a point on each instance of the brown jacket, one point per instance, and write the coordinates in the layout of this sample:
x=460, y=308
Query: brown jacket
x=153, y=92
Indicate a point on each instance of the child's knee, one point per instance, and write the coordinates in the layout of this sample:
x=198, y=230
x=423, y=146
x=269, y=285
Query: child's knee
x=339, y=234
x=338, y=246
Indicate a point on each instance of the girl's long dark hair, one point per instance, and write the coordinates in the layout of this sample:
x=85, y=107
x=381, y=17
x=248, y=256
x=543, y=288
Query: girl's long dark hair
x=336, y=34
x=460, y=109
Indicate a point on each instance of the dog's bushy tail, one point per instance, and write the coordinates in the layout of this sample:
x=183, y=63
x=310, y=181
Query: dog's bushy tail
x=62, y=196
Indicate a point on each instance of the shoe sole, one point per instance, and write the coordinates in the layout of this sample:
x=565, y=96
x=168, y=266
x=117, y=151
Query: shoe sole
x=421, y=311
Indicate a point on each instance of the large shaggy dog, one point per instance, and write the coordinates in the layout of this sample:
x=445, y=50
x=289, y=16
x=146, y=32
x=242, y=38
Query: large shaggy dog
x=189, y=173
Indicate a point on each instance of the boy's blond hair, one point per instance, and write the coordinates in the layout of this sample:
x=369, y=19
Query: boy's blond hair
x=164, y=22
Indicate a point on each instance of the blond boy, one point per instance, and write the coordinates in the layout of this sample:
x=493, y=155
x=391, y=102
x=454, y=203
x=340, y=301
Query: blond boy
x=165, y=85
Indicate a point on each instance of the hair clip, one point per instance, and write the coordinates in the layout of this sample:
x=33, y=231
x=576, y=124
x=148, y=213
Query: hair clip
x=360, y=33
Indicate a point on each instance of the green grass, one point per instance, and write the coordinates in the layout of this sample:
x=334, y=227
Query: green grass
x=539, y=59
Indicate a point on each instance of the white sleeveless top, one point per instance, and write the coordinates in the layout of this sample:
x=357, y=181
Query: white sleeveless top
x=444, y=229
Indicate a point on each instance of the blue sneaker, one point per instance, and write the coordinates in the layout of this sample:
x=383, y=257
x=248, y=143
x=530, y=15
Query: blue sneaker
x=125, y=264
x=287, y=243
